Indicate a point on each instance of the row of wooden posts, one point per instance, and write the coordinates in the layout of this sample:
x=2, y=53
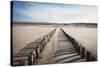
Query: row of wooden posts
x=82, y=51
x=32, y=52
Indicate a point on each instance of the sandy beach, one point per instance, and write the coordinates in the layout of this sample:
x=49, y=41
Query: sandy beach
x=22, y=35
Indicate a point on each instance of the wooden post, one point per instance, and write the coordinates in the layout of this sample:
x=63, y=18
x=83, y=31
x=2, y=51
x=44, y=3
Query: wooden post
x=75, y=45
x=93, y=58
x=40, y=47
x=82, y=52
x=37, y=55
x=34, y=53
x=78, y=49
x=88, y=56
x=29, y=60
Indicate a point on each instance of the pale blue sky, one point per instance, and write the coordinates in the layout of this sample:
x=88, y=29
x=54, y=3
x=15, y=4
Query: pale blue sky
x=50, y=12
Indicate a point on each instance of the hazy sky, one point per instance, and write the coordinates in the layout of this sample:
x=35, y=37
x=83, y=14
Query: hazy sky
x=50, y=12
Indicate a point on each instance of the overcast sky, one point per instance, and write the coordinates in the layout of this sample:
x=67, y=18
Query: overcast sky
x=50, y=12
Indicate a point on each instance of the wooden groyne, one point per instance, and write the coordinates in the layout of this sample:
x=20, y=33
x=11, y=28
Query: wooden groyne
x=82, y=51
x=31, y=52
